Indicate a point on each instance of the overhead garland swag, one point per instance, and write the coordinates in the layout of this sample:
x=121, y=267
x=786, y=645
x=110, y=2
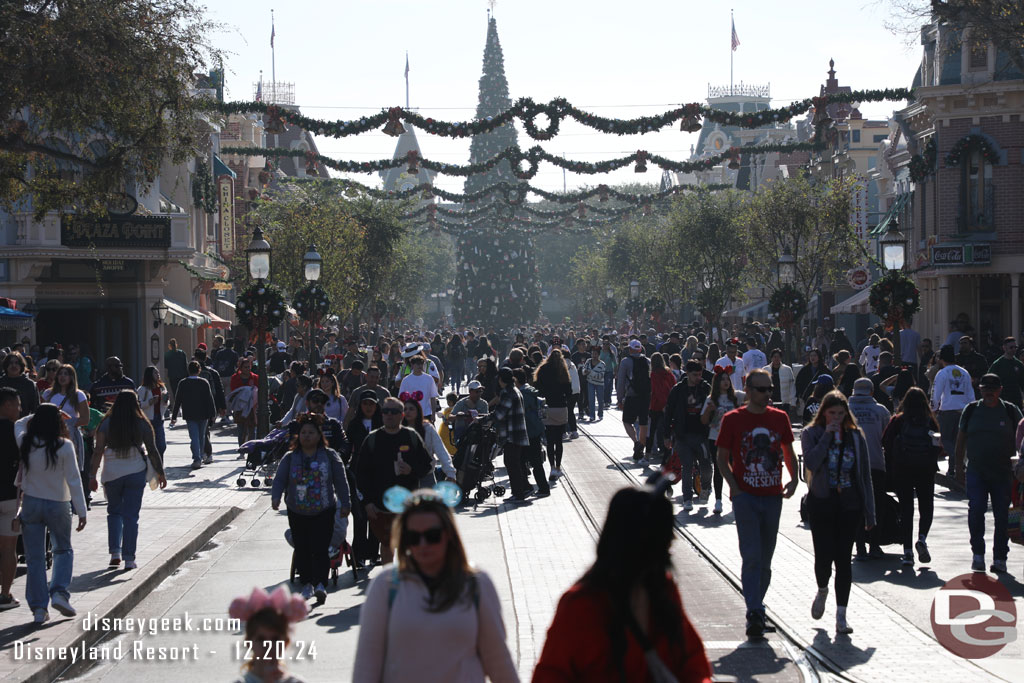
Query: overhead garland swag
x=528, y=112
x=259, y=297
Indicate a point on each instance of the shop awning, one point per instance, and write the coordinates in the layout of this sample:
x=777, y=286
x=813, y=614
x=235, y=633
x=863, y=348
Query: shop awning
x=215, y=321
x=220, y=168
x=12, y=319
x=177, y=314
x=897, y=206
x=858, y=303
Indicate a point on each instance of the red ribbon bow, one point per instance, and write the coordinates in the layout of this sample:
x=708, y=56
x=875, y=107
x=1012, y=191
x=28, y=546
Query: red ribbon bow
x=414, y=396
x=727, y=369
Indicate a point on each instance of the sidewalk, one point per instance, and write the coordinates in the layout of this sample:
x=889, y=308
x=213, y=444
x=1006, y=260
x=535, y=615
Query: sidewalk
x=889, y=608
x=174, y=524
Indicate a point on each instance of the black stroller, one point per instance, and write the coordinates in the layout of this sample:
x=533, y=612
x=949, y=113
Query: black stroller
x=474, y=462
x=262, y=457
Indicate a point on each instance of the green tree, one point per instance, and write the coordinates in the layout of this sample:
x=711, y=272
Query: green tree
x=809, y=222
x=94, y=95
x=711, y=250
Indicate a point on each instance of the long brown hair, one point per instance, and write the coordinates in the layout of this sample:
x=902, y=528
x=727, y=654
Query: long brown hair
x=125, y=423
x=716, y=390
x=831, y=400
x=454, y=575
x=72, y=391
x=554, y=364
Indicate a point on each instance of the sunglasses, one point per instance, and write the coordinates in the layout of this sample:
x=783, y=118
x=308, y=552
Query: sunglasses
x=762, y=388
x=432, y=536
x=392, y=411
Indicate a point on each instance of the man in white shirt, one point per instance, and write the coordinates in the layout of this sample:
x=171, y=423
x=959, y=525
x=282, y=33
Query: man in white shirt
x=951, y=392
x=731, y=360
x=423, y=383
x=754, y=357
x=869, y=356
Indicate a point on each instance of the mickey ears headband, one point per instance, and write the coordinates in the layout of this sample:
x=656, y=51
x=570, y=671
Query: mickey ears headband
x=726, y=369
x=291, y=605
x=398, y=498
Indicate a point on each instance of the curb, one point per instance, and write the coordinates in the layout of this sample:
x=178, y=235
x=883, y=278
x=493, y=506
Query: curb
x=149, y=577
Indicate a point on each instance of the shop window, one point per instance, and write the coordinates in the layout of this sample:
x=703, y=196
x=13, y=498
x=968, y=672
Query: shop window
x=977, y=195
x=856, y=135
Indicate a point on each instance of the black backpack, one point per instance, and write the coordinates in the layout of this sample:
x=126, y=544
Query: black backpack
x=914, y=445
x=641, y=379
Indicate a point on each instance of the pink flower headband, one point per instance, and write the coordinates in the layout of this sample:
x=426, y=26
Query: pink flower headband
x=291, y=605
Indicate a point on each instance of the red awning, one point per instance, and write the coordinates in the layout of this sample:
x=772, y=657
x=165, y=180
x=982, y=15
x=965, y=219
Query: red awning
x=216, y=322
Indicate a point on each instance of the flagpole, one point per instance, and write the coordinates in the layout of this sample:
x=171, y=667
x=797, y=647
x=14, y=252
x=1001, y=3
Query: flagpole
x=407, y=79
x=732, y=50
x=273, y=63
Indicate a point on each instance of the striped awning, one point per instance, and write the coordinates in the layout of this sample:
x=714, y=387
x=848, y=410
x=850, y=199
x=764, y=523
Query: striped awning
x=178, y=314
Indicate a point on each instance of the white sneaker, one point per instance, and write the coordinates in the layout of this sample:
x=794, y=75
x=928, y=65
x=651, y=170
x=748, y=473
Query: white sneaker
x=818, y=606
x=130, y=564
x=688, y=505
x=718, y=507
x=40, y=616
x=61, y=604
x=307, y=591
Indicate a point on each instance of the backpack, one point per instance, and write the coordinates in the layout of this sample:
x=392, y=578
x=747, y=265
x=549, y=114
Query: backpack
x=641, y=379
x=532, y=408
x=914, y=446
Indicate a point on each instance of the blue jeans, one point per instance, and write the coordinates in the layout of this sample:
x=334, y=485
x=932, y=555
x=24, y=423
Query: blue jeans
x=197, y=438
x=38, y=515
x=691, y=450
x=124, y=500
x=609, y=381
x=757, y=526
x=160, y=436
x=978, y=492
x=595, y=398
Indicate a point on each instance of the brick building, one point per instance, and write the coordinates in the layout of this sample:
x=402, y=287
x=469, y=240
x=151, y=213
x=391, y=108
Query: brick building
x=963, y=211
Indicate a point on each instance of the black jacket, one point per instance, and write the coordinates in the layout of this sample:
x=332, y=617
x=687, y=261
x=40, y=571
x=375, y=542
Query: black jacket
x=195, y=399
x=216, y=385
x=677, y=417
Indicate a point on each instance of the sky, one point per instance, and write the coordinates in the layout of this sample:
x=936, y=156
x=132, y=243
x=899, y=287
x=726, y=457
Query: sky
x=618, y=59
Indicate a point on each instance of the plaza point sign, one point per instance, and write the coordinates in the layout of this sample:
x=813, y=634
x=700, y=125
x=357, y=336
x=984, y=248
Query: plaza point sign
x=146, y=232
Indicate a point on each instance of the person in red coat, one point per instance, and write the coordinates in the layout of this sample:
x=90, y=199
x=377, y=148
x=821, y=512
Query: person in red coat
x=624, y=618
x=662, y=381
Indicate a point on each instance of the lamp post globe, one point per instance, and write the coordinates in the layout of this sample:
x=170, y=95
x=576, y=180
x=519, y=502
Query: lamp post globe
x=311, y=264
x=894, y=246
x=258, y=253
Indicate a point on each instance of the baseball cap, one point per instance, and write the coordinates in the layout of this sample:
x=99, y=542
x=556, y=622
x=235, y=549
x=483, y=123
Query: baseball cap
x=863, y=387
x=368, y=395
x=990, y=380
x=826, y=379
x=474, y=385
x=635, y=345
x=281, y=346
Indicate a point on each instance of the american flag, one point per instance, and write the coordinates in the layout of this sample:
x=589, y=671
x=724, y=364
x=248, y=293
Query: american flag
x=735, y=38
x=259, y=90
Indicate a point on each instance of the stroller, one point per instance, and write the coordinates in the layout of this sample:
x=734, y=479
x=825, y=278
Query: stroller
x=474, y=461
x=262, y=457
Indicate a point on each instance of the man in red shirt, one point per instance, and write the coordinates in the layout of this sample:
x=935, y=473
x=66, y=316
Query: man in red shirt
x=752, y=443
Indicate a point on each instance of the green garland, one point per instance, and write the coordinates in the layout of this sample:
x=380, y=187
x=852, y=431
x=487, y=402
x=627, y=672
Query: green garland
x=894, y=297
x=204, y=192
x=256, y=297
x=527, y=111
x=788, y=304
x=525, y=165
x=311, y=302
x=967, y=143
x=923, y=165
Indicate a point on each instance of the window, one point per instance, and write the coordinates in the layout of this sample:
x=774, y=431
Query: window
x=878, y=138
x=856, y=136
x=976, y=193
x=977, y=58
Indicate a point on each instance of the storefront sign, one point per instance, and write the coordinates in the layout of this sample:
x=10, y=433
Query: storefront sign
x=962, y=255
x=111, y=264
x=859, y=277
x=145, y=232
x=226, y=195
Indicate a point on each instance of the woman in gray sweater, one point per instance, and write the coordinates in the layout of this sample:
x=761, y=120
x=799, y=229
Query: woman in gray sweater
x=840, y=499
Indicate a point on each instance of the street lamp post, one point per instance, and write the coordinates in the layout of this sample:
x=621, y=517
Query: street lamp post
x=312, y=264
x=258, y=254
x=787, y=275
x=634, y=296
x=894, y=257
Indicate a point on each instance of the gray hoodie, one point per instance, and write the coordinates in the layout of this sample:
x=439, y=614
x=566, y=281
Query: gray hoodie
x=815, y=443
x=873, y=418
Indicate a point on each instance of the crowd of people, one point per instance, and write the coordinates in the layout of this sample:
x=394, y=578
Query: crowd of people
x=375, y=411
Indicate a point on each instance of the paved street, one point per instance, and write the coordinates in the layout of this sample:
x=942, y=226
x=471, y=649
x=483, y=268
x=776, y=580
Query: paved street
x=217, y=542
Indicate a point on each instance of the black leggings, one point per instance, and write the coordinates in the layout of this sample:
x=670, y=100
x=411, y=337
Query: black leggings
x=833, y=530
x=717, y=478
x=918, y=481
x=553, y=435
x=311, y=535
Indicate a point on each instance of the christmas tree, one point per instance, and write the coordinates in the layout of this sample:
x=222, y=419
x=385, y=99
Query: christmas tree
x=496, y=283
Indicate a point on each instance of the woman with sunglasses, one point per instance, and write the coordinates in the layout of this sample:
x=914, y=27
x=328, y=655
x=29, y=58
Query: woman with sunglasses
x=431, y=616
x=49, y=375
x=312, y=479
x=624, y=617
x=14, y=376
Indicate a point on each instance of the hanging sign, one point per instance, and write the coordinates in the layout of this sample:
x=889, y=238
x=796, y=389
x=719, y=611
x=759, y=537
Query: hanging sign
x=226, y=197
x=859, y=277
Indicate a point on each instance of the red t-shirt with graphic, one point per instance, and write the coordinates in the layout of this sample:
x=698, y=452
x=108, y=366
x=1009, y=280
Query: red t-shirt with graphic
x=755, y=448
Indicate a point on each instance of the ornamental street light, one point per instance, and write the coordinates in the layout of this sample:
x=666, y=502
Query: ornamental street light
x=634, y=290
x=894, y=246
x=312, y=263
x=258, y=254
x=159, y=311
x=787, y=268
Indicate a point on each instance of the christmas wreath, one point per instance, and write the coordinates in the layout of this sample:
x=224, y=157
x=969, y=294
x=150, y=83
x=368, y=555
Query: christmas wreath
x=634, y=308
x=655, y=306
x=609, y=306
x=260, y=297
x=923, y=165
x=967, y=143
x=311, y=301
x=788, y=304
x=380, y=310
x=894, y=297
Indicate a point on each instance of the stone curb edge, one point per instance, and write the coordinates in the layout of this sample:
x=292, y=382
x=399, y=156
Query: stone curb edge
x=149, y=577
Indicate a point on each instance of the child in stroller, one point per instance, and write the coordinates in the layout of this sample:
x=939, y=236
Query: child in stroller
x=262, y=456
x=473, y=461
